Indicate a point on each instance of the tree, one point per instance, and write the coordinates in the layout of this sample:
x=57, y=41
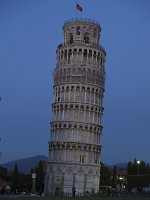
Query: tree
x=105, y=178
x=25, y=182
x=114, y=178
x=40, y=177
x=4, y=175
x=15, y=178
x=138, y=174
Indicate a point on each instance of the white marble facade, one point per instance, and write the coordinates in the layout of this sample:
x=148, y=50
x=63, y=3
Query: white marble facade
x=77, y=108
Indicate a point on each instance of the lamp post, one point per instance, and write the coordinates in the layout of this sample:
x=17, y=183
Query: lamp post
x=33, y=183
x=121, y=183
x=138, y=163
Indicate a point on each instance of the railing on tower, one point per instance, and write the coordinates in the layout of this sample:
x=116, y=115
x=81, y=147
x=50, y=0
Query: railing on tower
x=80, y=42
x=82, y=20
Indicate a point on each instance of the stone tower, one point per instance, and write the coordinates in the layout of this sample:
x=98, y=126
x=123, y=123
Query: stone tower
x=77, y=108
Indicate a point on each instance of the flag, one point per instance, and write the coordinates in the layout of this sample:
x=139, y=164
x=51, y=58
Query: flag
x=79, y=7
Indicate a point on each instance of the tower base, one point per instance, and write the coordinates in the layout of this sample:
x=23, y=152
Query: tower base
x=71, y=179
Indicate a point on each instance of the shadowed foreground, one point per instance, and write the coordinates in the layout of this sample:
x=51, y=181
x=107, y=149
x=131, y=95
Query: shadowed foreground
x=77, y=198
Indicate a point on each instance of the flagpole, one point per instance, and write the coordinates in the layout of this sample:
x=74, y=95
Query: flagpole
x=76, y=11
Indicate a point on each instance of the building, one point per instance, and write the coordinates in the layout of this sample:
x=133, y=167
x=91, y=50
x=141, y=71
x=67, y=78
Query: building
x=76, y=127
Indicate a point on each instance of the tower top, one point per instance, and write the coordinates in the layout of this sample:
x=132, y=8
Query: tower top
x=84, y=20
x=81, y=31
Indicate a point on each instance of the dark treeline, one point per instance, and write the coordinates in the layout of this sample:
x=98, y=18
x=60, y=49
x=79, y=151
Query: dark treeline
x=138, y=174
x=20, y=182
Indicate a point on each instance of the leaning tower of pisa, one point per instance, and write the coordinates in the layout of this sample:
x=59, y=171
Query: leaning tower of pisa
x=77, y=108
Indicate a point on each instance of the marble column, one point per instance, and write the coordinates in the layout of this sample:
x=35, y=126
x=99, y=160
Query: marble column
x=53, y=184
x=85, y=183
x=74, y=180
x=62, y=183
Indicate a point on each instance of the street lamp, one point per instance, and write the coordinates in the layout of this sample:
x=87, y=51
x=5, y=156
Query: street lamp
x=138, y=162
x=121, y=182
x=33, y=183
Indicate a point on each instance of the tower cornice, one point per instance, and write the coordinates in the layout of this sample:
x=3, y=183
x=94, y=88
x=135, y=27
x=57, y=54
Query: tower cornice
x=82, y=21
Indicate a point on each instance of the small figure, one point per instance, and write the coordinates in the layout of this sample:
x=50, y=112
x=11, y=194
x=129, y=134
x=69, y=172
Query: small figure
x=73, y=191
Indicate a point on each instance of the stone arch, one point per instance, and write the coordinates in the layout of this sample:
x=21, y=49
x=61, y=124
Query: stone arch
x=84, y=71
x=90, y=53
x=66, y=106
x=64, y=71
x=56, y=126
x=98, y=56
x=83, y=88
x=79, y=70
x=101, y=62
x=93, y=73
x=63, y=88
x=69, y=55
x=91, y=128
x=75, y=126
x=74, y=71
x=70, y=51
x=87, y=107
x=61, y=106
x=58, y=89
x=65, y=126
x=76, y=106
x=65, y=55
x=77, y=88
x=67, y=87
x=89, y=71
x=60, y=72
x=81, y=127
x=68, y=71
x=62, y=54
x=74, y=51
x=88, y=89
x=78, y=30
x=85, y=53
x=82, y=108
x=54, y=106
x=80, y=51
x=69, y=125
x=57, y=107
x=86, y=38
x=71, y=106
x=93, y=89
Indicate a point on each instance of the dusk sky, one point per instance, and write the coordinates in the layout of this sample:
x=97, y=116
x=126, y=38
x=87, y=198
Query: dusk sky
x=30, y=31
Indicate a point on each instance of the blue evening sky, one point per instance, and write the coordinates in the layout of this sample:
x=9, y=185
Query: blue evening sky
x=30, y=31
